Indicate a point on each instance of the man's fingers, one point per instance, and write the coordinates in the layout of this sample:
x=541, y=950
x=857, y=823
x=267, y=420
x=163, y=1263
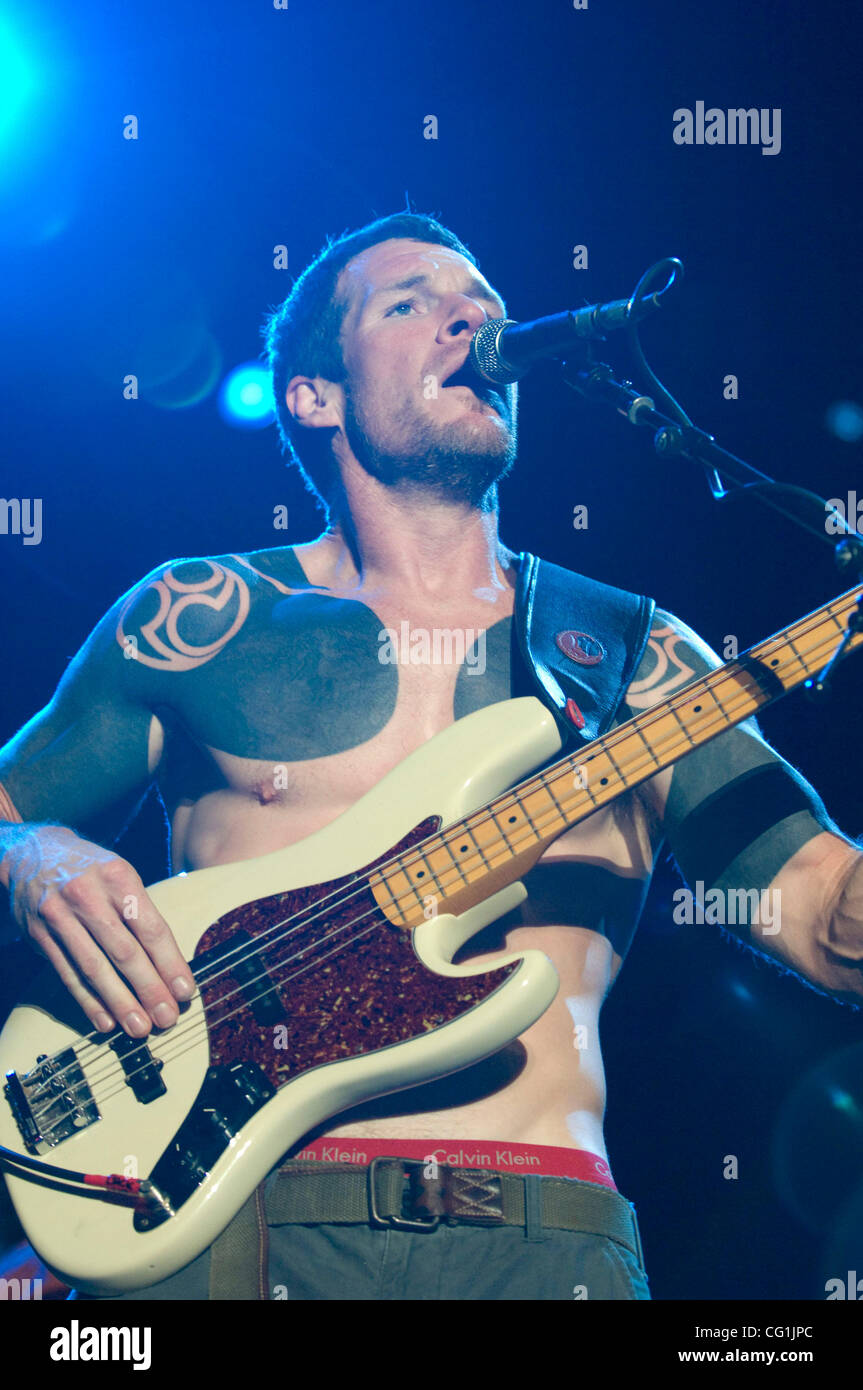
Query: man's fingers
x=54, y=953
x=151, y=930
x=88, y=912
x=109, y=960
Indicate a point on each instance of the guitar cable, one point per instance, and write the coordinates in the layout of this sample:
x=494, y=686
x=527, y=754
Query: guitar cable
x=139, y=1193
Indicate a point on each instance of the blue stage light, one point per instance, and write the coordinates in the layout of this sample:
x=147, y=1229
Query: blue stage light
x=17, y=79
x=843, y=1101
x=845, y=420
x=246, y=397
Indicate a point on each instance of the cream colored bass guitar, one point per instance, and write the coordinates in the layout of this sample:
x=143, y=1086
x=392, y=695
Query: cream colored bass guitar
x=325, y=976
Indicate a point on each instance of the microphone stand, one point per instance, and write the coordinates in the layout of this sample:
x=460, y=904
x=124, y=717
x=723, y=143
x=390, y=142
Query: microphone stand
x=671, y=439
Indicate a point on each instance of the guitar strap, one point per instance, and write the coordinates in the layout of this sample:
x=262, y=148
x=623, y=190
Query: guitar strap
x=577, y=645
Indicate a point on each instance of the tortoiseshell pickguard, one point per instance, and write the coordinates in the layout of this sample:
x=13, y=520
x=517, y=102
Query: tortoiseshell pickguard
x=348, y=980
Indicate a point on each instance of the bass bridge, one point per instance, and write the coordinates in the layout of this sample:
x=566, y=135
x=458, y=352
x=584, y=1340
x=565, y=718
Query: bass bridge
x=51, y=1102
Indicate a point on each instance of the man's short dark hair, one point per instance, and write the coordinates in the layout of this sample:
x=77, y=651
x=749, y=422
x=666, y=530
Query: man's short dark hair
x=303, y=334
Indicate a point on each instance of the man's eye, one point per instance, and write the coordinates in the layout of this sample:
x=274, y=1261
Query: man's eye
x=403, y=304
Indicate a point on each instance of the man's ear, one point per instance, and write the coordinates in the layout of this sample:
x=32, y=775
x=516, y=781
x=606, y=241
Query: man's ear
x=315, y=402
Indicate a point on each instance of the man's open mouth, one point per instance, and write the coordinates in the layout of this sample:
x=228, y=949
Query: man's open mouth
x=483, y=390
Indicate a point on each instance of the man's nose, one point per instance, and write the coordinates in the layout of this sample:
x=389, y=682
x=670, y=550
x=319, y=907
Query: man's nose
x=463, y=315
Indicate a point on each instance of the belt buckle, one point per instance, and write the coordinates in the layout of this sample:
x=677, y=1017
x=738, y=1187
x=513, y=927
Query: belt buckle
x=401, y=1223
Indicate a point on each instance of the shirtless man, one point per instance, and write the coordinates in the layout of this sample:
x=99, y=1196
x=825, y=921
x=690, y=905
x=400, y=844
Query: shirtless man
x=250, y=663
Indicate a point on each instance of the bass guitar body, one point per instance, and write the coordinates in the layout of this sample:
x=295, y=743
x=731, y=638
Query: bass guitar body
x=312, y=997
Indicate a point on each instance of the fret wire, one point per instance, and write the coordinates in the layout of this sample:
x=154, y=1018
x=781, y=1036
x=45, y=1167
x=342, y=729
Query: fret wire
x=786, y=665
x=553, y=797
x=565, y=816
x=735, y=686
x=416, y=889
x=443, y=843
x=793, y=657
x=384, y=879
x=398, y=901
x=612, y=788
x=841, y=626
x=791, y=643
x=816, y=665
x=528, y=817
x=682, y=725
x=489, y=813
x=637, y=730
x=731, y=676
x=611, y=794
x=586, y=787
x=612, y=760
x=479, y=849
x=501, y=831
x=709, y=716
x=446, y=845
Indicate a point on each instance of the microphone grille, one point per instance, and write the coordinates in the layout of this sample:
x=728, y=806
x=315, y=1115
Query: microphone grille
x=485, y=354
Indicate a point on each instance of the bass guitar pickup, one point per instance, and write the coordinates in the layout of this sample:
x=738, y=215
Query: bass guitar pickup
x=141, y=1068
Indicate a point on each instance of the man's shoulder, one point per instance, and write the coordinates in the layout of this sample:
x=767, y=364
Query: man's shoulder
x=674, y=655
x=276, y=566
x=669, y=628
x=185, y=610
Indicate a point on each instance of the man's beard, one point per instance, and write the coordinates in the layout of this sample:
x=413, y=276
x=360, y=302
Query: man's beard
x=442, y=459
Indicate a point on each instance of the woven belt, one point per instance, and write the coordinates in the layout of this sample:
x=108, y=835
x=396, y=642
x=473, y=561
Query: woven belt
x=400, y=1194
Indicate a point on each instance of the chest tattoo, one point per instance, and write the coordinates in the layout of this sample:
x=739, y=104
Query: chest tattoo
x=246, y=658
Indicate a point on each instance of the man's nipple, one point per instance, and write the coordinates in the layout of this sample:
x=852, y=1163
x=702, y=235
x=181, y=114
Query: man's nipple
x=271, y=788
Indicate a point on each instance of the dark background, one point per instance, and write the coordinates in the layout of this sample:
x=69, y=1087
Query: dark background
x=259, y=127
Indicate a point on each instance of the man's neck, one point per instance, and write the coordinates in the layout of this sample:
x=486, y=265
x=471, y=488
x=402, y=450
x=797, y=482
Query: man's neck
x=419, y=548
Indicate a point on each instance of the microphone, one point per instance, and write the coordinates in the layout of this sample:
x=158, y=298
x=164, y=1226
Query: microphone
x=502, y=350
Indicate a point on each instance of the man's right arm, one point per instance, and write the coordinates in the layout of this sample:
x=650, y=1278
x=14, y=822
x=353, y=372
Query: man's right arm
x=86, y=758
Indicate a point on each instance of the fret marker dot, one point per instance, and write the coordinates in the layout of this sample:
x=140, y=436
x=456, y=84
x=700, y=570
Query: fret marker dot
x=603, y=781
x=511, y=819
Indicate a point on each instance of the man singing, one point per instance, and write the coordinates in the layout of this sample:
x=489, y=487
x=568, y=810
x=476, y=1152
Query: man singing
x=252, y=688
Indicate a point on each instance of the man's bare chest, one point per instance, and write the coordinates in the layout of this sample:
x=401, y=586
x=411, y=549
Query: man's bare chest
x=314, y=700
x=316, y=675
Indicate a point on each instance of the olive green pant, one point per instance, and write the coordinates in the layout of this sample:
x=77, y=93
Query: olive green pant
x=459, y=1262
